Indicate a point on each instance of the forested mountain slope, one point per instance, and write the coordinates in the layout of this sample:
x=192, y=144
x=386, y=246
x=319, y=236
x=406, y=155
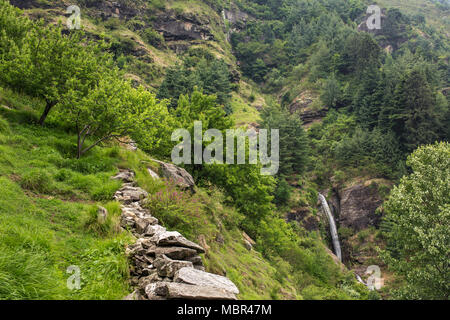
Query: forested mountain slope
x=351, y=104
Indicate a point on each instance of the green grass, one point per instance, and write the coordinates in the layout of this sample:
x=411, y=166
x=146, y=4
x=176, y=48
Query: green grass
x=47, y=202
x=48, y=217
x=48, y=222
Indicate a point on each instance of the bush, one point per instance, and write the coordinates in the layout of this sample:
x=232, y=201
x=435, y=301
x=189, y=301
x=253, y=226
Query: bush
x=108, y=227
x=153, y=37
x=37, y=180
x=105, y=191
x=4, y=126
x=176, y=209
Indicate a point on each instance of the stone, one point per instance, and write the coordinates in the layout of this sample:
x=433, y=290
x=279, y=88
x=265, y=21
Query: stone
x=184, y=291
x=167, y=267
x=154, y=231
x=153, y=174
x=141, y=225
x=201, y=278
x=198, y=267
x=248, y=245
x=130, y=194
x=155, y=291
x=135, y=295
x=197, y=261
x=176, y=253
x=102, y=215
x=125, y=176
x=152, y=278
x=127, y=222
x=177, y=175
x=174, y=238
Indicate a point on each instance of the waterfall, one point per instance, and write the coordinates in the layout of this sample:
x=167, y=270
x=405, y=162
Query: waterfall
x=333, y=230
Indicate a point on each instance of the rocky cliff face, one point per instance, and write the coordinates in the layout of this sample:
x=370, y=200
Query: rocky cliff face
x=358, y=205
x=302, y=105
x=356, y=209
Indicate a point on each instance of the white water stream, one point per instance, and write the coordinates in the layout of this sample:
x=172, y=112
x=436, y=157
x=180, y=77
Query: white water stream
x=333, y=229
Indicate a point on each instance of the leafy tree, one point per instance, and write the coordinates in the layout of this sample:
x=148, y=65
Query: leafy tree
x=415, y=119
x=45, y=61
x=294, y=149
x=367, y=103
x=419, y=214
x=199, y=70
x=113, y=110
x=332, y=92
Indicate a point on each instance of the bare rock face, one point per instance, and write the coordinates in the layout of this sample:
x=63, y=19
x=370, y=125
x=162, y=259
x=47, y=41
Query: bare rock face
x=302, y=106
x=201, y=278
x=303, y=215
x=358, y=204
x=183, y=26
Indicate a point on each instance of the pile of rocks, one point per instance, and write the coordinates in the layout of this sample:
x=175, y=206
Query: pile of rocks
x=164, y=264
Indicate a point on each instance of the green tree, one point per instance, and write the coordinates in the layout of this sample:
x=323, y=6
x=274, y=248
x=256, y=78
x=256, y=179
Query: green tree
x=415, y=116
x=204, y=72
x=294, y=148
x=332, y=92
x=113, y=110
x=418, y=210
x=44, y=62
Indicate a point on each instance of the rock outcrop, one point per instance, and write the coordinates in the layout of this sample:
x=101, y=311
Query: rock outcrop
x=302, y=106
x=175, y=174
x=358, y=205
x=164, y=264
x=183, y=26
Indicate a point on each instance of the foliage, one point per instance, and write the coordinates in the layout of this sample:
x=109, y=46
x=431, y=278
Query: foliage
x=40, y=61
x=113, y=109
x=199, y=69
x=419, y=213
x=293, y=141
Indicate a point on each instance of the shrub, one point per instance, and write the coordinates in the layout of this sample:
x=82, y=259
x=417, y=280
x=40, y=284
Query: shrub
x=153, y=37
x=4, y=126
x=64, y=175
x=176, y=208
x=37, y=180
x=105, y=191
x=105, y=228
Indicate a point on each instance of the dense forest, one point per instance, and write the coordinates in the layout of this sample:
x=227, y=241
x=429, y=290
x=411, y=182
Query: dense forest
x=363, y=118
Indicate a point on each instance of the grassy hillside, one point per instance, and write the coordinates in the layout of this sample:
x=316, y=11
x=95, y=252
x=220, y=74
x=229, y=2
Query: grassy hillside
x=434, y=13
x=141, y=69
x=48, y=221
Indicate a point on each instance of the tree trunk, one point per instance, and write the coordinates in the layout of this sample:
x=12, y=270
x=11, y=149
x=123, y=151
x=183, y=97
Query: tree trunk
x=44, y=115
x=79, y=146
